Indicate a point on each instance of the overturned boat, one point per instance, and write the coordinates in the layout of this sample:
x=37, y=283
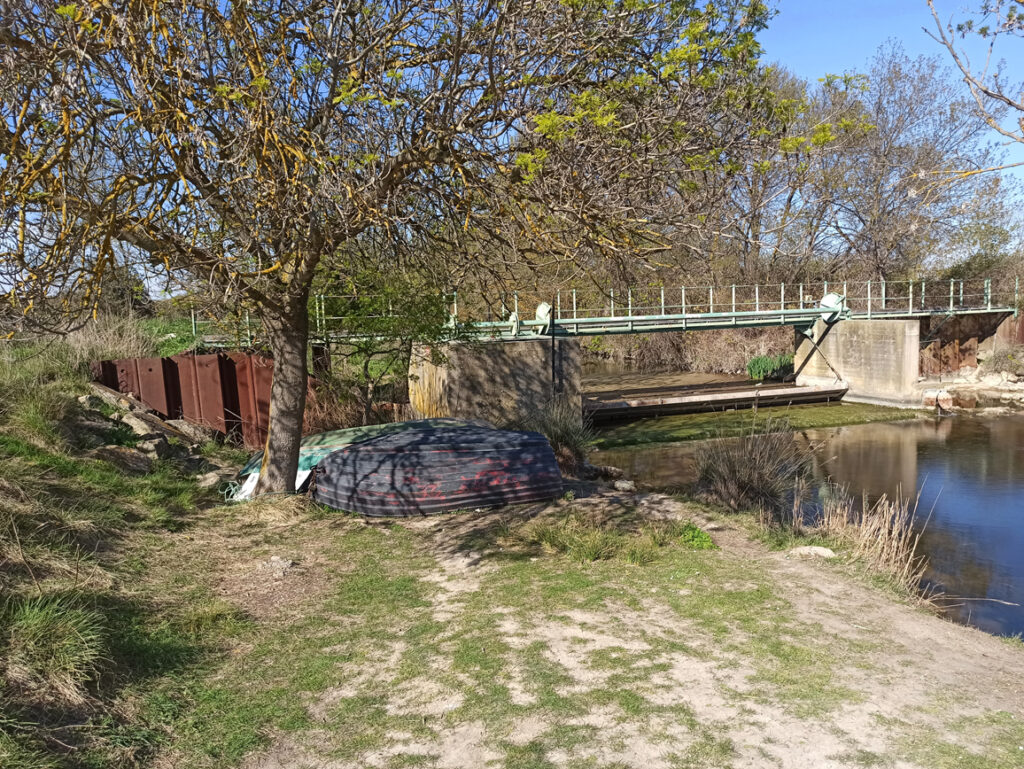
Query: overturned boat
x=423, y=471
x=319, y=445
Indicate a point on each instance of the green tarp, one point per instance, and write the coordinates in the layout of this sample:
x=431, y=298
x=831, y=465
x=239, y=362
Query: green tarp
x=316, y=447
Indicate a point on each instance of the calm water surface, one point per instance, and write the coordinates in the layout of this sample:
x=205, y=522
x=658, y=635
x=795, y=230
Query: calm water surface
x=969, y=470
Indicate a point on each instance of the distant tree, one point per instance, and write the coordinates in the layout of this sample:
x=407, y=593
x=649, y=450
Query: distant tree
x=993, y=91
x=247, y=146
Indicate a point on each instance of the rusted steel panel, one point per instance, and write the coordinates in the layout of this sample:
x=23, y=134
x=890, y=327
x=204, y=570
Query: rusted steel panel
x=157, y=386
x=104, y=372
x=127, y=376
x=188, y=388
x=209, y=392
x=253, y=374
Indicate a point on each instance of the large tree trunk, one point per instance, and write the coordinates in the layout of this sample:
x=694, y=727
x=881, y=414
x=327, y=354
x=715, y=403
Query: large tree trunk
x=289, y=338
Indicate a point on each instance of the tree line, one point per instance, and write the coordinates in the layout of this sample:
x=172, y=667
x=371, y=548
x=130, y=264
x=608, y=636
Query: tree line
x=258, y=152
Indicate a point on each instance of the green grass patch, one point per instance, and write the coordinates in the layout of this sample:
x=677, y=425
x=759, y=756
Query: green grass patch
x=691, y=427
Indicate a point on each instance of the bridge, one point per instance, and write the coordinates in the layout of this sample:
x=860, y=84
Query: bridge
x=873, y=340
x=525, y=315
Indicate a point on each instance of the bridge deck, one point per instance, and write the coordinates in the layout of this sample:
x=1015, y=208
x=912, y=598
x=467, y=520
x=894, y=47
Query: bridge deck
x=574, y=313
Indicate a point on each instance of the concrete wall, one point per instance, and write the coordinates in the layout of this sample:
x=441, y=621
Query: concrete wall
x=497, y=382
x=878, y=359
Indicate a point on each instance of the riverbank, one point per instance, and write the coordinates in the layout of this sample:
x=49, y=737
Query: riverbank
x=690, y=427
x=458, y=641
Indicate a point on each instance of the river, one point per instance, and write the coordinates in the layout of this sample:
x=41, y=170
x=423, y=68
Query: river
x=969, y=471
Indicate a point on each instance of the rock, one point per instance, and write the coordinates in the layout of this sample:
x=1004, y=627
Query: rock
x=91, y=402
x=151, y=426
x=213, y=479
x=1008, y=377
x=194, y=433
x=127, y=460
x=116, y=399
x=192, y=465
x=160, y=448
x=593, y=472
x=811, y=551
x=622, y=485
x=991, y=380
x=278, y=566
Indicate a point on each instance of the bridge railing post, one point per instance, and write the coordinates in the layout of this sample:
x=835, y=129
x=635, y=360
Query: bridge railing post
x=910, y=297
x=922, y=294
x=711, y=299
x=734, y=298
x=869, y=298
x=682, y=298
x=782, y=301
x=800, y=289
x=961, y=294
x=629, y=302
x=611, y=293
x=988, y=293
x=558, y=304
x=883, y=295
x=574, y=304
x=662, y=300
x=951, y=295
x=757, y=298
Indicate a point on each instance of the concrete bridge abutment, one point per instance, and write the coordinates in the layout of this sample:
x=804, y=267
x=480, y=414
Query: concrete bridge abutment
x=891, y=361
x=501, y=383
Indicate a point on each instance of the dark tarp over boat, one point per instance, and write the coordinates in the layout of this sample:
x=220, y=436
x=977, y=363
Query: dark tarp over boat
x=315, y=447
x=417, y=472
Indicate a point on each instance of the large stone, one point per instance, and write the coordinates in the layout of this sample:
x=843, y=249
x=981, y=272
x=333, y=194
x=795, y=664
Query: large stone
x=992, y=379
x=812, y=551
x=623, y=485
x=160, y=448
x=151, y=426
x=127, y=460
x=195, y=433
x=91, y=402
x=117, y=400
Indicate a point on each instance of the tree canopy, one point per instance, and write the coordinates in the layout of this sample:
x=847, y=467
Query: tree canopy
x=249, y=145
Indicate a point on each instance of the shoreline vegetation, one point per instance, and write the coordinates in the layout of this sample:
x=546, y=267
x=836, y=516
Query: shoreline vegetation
x=519, y=637
x=735, y=423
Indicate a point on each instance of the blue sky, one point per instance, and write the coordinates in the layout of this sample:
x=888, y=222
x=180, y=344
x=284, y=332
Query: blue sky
x=815, y=37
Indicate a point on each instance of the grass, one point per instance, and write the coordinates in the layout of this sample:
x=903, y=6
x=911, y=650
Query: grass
x=690, y=427
x=559, y=421
x=79, y=644
x=585, y=539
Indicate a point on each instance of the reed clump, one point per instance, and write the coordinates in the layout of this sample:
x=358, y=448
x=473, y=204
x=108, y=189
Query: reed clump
x=882, y=534
x=756, y=471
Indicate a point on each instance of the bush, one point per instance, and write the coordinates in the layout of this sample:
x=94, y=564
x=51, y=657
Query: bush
x=1009, y=359
x=770, y=366
x=754, y=472
x=569, y=432
x=53, y=648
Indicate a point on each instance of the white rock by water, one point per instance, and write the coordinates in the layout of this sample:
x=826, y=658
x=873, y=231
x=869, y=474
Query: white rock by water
x=812, y=551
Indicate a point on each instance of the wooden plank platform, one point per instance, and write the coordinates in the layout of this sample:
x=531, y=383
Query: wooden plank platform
x=728, y=396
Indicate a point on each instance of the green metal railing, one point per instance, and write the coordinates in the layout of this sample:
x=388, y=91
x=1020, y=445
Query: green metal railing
x=592, y=311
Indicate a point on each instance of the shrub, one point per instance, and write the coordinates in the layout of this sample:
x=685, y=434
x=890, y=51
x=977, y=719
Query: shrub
x=53, y=648
x=754, y=472
x=1009, y=359
x=569, y=432
x=770, y=366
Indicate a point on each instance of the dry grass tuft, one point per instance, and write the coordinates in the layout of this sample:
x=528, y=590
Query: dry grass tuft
x=272, y=509
x=757, y=471
x=881, y=535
